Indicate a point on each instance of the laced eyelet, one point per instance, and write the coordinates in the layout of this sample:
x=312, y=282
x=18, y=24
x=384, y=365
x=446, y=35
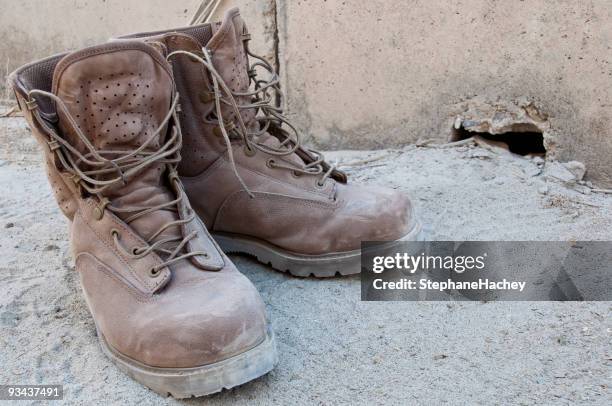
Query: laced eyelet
x=270, y=163
x=296, y=174
x=115, y=233
x=135, y=251
x=98, y=213
x=206, y=97
x=319, y=185
x=249, y=151
x=154, y=273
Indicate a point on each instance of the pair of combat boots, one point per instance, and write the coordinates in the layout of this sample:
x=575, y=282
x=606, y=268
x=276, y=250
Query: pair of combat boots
x=144, y=176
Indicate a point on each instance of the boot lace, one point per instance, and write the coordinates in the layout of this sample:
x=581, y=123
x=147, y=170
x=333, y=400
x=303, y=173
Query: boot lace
x=110, y=167
x=265, y=99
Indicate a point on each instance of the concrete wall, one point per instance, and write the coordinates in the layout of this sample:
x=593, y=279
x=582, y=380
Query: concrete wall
x=386, y=73
x=32, y=29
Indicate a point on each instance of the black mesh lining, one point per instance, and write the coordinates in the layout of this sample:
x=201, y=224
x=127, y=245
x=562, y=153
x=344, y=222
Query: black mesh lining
x=202, y=33
x=39, y=75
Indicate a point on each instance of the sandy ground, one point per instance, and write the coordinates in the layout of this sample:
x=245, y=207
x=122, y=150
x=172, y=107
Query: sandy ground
x=334, y=348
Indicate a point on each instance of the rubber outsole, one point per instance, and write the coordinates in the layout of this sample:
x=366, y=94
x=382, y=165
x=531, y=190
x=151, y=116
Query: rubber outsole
x=319, y=266
x=204, y=380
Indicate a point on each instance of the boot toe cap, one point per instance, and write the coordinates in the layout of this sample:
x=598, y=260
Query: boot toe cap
x=375, y=214
x=207, y=323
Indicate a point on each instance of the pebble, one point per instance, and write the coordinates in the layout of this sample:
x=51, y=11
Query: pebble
x=543, y=190
x=583, y=189
x=576, y=168
x=481, y=154
x=531, y=171
x=9, y=225
x=560, y=172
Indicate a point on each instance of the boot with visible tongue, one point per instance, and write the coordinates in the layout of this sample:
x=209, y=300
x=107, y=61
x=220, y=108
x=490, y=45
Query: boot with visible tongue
x=119, y=103
x=170, y=308
x=256, y=187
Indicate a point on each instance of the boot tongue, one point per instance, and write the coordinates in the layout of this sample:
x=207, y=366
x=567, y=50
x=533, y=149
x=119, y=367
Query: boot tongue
x=231, y=61
x=119, y=94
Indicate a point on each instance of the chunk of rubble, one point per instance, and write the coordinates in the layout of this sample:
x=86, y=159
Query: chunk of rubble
x=576, y=168
x=557, y=171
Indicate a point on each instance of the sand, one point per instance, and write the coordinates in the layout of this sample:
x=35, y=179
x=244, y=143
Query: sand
x=335, y=349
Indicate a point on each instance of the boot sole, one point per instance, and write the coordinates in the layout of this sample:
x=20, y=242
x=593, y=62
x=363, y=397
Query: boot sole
x=319, y=266
x=204, y=380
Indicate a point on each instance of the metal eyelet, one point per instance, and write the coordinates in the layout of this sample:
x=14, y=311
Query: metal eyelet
x=154, y=273
x=206, y=97
x=249, y=152
x=319, y=185
x=98, y=213
x=135, y=251
x=296, y=174
x=115, y=233
x=270, y=163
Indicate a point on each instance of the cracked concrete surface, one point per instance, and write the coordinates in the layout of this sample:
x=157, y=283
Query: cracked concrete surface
x=335, y=349
x=388, y=73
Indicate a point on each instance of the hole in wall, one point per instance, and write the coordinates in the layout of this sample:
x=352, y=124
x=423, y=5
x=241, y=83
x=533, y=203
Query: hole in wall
x=520, y=138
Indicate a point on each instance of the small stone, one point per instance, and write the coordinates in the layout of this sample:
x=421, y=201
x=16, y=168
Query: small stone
x=51, y=247
x=543, y=190
x=582, y=189
x=538, y=160
x=576, y=168
x=589, y=184
x=532, y=170
x=558, y=171
x=9, y=225
x=481, y=154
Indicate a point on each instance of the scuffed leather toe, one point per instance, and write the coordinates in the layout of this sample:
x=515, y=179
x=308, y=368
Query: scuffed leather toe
x=200, y=323
x=226, y=317
x=372, y=213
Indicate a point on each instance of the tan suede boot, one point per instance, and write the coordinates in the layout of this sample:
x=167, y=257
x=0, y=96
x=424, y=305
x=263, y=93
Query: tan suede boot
x=267, y=195
x=171, y=310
